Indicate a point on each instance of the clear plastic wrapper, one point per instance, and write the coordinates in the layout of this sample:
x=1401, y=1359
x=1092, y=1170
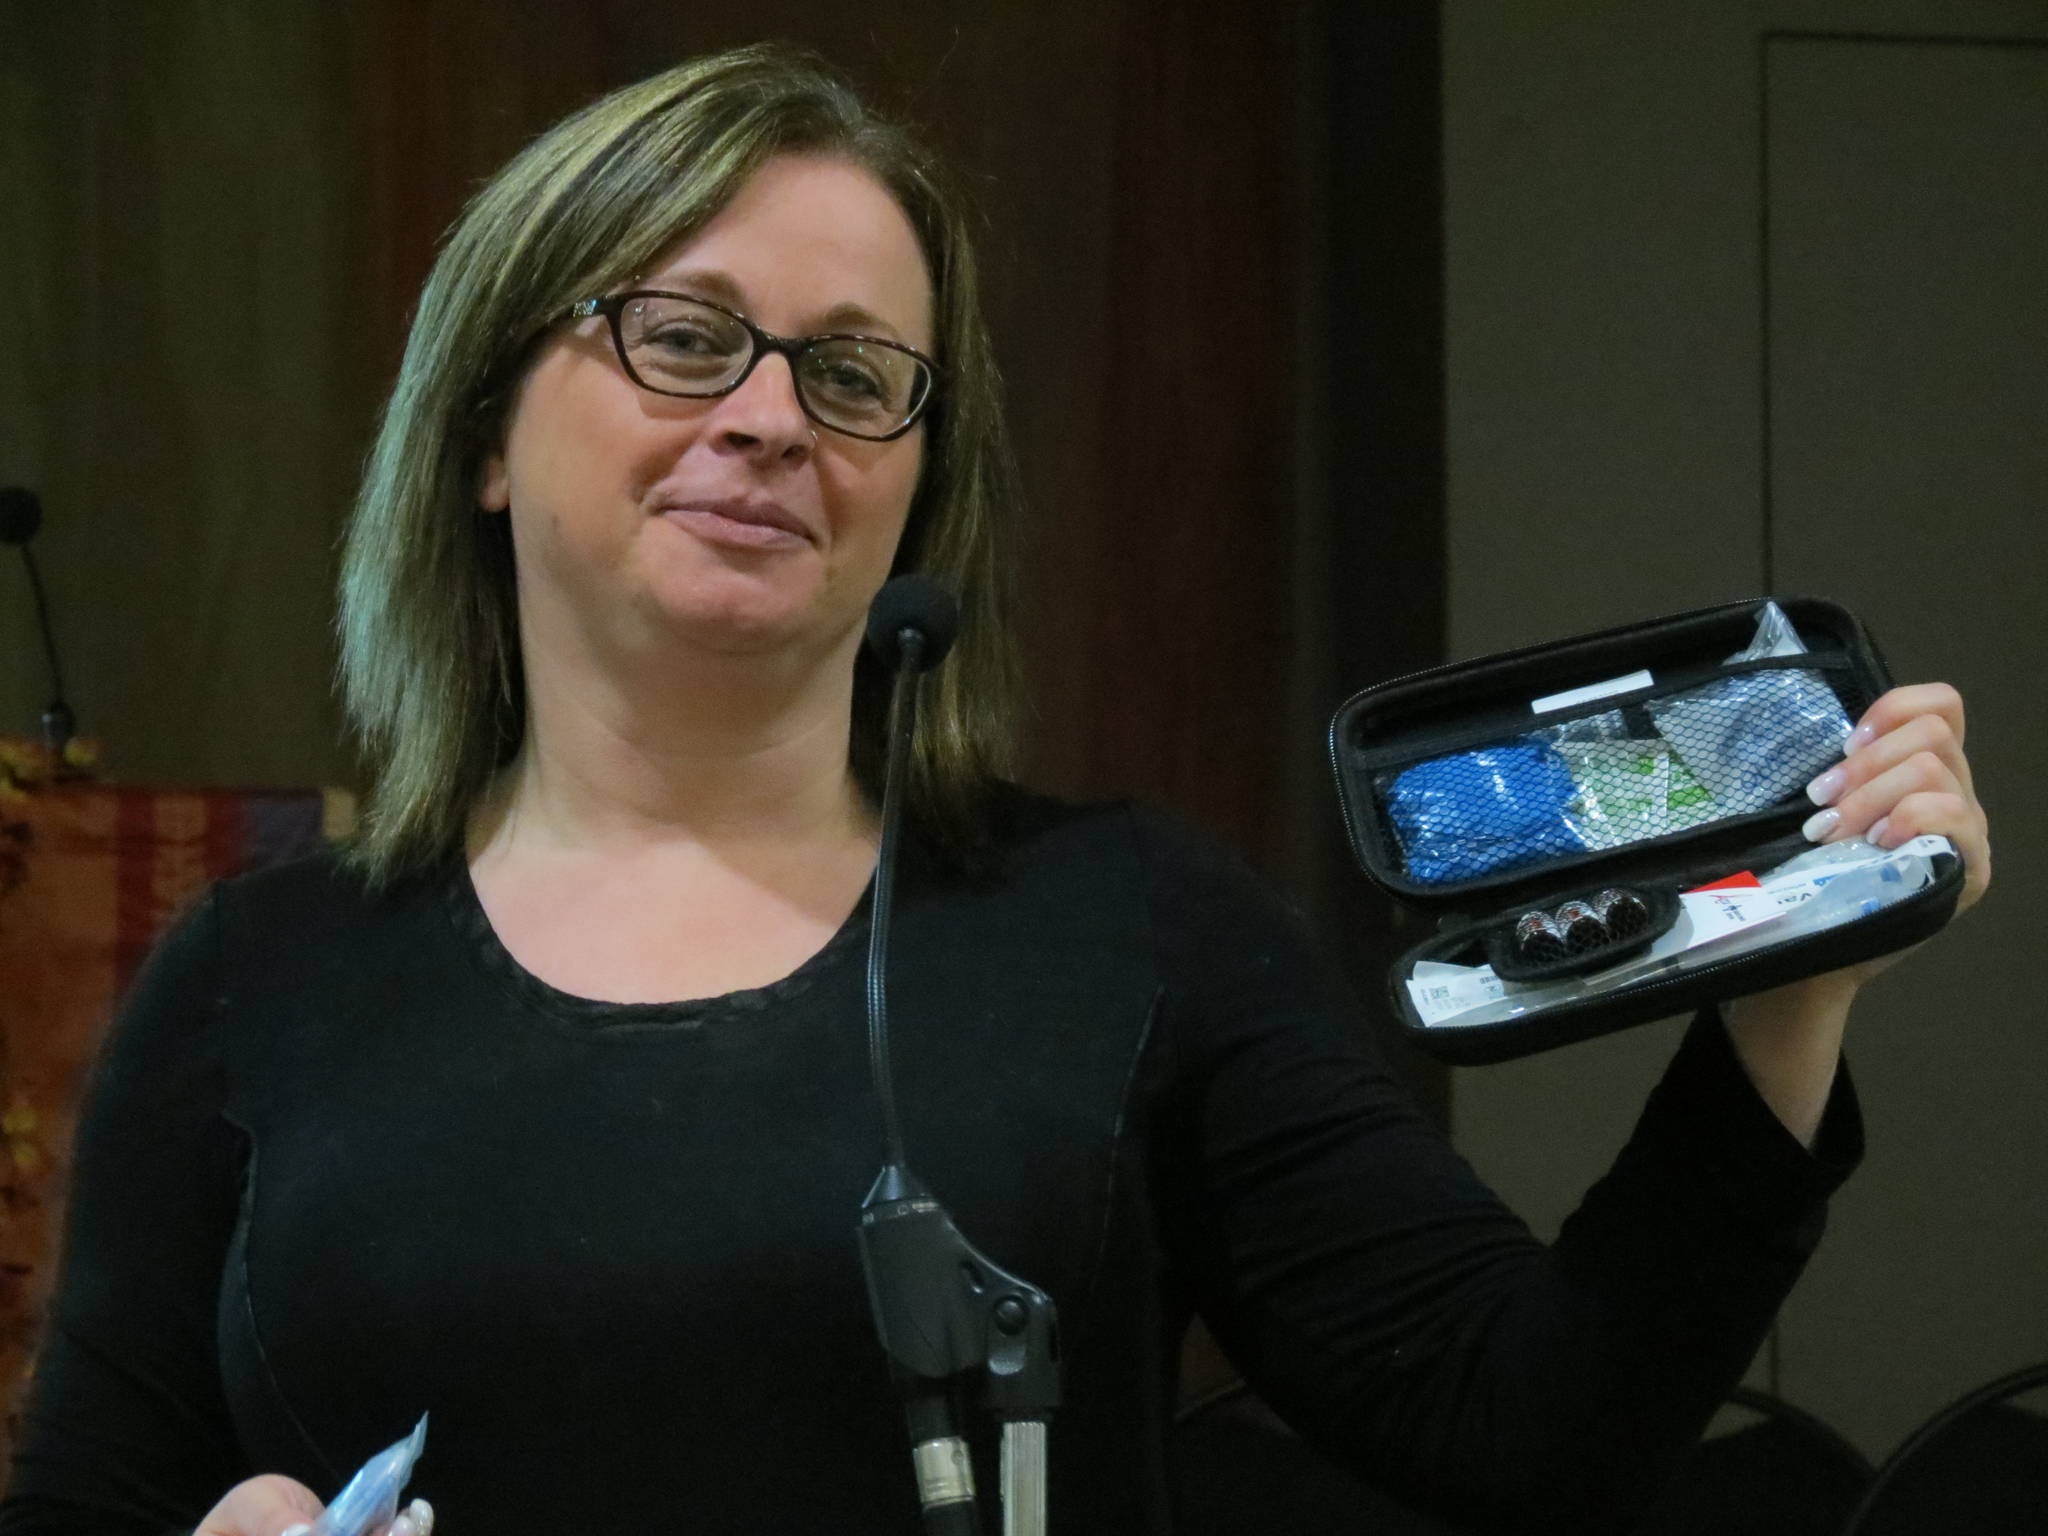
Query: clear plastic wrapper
x=1753, y=740
x=1775, y=636
x=370, y=1501
x=1608, y=725
x=1630, y=790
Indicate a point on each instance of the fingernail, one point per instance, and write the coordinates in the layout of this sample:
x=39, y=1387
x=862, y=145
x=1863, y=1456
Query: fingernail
x=403, y=1526
x=1822, y=790
x=422, y=1514
x=295, y=1530
x=1862, y=736
x=1875, y=836
x=1820, y=824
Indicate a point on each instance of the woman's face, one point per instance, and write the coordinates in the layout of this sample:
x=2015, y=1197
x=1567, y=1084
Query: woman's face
x=731, y=524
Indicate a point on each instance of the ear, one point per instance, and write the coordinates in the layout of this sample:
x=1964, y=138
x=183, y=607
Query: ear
x=493, y=485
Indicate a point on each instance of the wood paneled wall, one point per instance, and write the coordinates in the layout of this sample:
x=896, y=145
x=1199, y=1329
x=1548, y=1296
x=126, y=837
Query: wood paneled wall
x=1213, y=277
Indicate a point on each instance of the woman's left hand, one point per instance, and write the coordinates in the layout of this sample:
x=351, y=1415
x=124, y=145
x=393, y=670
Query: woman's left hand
x=1905, y=775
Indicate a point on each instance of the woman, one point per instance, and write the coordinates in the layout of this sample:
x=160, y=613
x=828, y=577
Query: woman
x=428, y=1129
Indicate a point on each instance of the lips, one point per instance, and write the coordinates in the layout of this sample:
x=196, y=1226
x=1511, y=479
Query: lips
x=739, y=520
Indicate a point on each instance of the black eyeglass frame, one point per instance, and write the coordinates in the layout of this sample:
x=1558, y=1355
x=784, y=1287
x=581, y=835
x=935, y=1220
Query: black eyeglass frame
x=790, y=348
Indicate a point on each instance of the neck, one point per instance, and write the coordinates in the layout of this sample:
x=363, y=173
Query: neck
x=724, y=753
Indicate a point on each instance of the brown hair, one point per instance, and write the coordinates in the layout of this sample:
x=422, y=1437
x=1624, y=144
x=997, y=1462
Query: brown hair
x=430, y=664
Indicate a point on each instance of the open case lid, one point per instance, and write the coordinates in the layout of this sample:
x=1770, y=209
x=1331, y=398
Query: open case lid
x=1470, y=704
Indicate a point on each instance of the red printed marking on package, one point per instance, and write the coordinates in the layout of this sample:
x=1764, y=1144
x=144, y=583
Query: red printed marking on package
x=1742, y=882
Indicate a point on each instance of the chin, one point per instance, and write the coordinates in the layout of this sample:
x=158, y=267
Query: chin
x=739, y=616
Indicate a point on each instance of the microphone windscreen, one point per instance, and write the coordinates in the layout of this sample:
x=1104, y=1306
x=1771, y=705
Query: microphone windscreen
x=21, y=514
x=913, y=602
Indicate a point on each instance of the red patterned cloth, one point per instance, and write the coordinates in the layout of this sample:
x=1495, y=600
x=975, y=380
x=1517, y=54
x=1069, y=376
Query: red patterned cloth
x=90, y=874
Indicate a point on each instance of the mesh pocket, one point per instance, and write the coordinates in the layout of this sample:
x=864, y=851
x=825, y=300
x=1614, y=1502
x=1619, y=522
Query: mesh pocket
x=1725, y=748
x=1753, y=740
x=1474, y=813
x=1631, y=790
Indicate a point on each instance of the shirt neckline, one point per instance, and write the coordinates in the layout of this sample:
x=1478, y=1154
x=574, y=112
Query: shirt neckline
x=465, y=910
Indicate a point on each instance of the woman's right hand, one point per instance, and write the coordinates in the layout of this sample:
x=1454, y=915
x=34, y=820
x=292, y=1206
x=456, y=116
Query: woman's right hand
x=273, y=1505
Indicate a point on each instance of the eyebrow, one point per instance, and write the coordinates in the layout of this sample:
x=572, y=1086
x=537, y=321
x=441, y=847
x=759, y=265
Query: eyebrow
x=721, y=288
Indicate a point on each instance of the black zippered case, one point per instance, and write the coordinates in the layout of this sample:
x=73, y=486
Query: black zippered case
x=1676, y=766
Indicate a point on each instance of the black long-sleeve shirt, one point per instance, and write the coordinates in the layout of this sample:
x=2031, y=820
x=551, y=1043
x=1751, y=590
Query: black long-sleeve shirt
x=345, y=1161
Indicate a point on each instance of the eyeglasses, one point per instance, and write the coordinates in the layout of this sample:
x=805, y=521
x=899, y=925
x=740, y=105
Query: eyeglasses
x=673, y=344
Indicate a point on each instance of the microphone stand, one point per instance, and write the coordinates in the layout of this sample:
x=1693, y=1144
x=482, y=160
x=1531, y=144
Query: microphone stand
x=59, y=723
x=945, y=1313
x=21, y=518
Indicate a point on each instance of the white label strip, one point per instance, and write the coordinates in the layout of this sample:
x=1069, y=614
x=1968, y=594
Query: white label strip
x=1715, y=913
x=1442, y=992
x=1556, y=701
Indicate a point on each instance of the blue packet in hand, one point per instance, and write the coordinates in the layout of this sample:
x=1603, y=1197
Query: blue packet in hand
x=370, y=1501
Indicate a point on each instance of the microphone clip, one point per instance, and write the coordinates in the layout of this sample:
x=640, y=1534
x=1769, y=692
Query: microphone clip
x=943, y=1309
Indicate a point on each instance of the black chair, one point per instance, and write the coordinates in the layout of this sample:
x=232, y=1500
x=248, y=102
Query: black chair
x=1237, y=1470
x=1977, y=1468
x=1779, y=1471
